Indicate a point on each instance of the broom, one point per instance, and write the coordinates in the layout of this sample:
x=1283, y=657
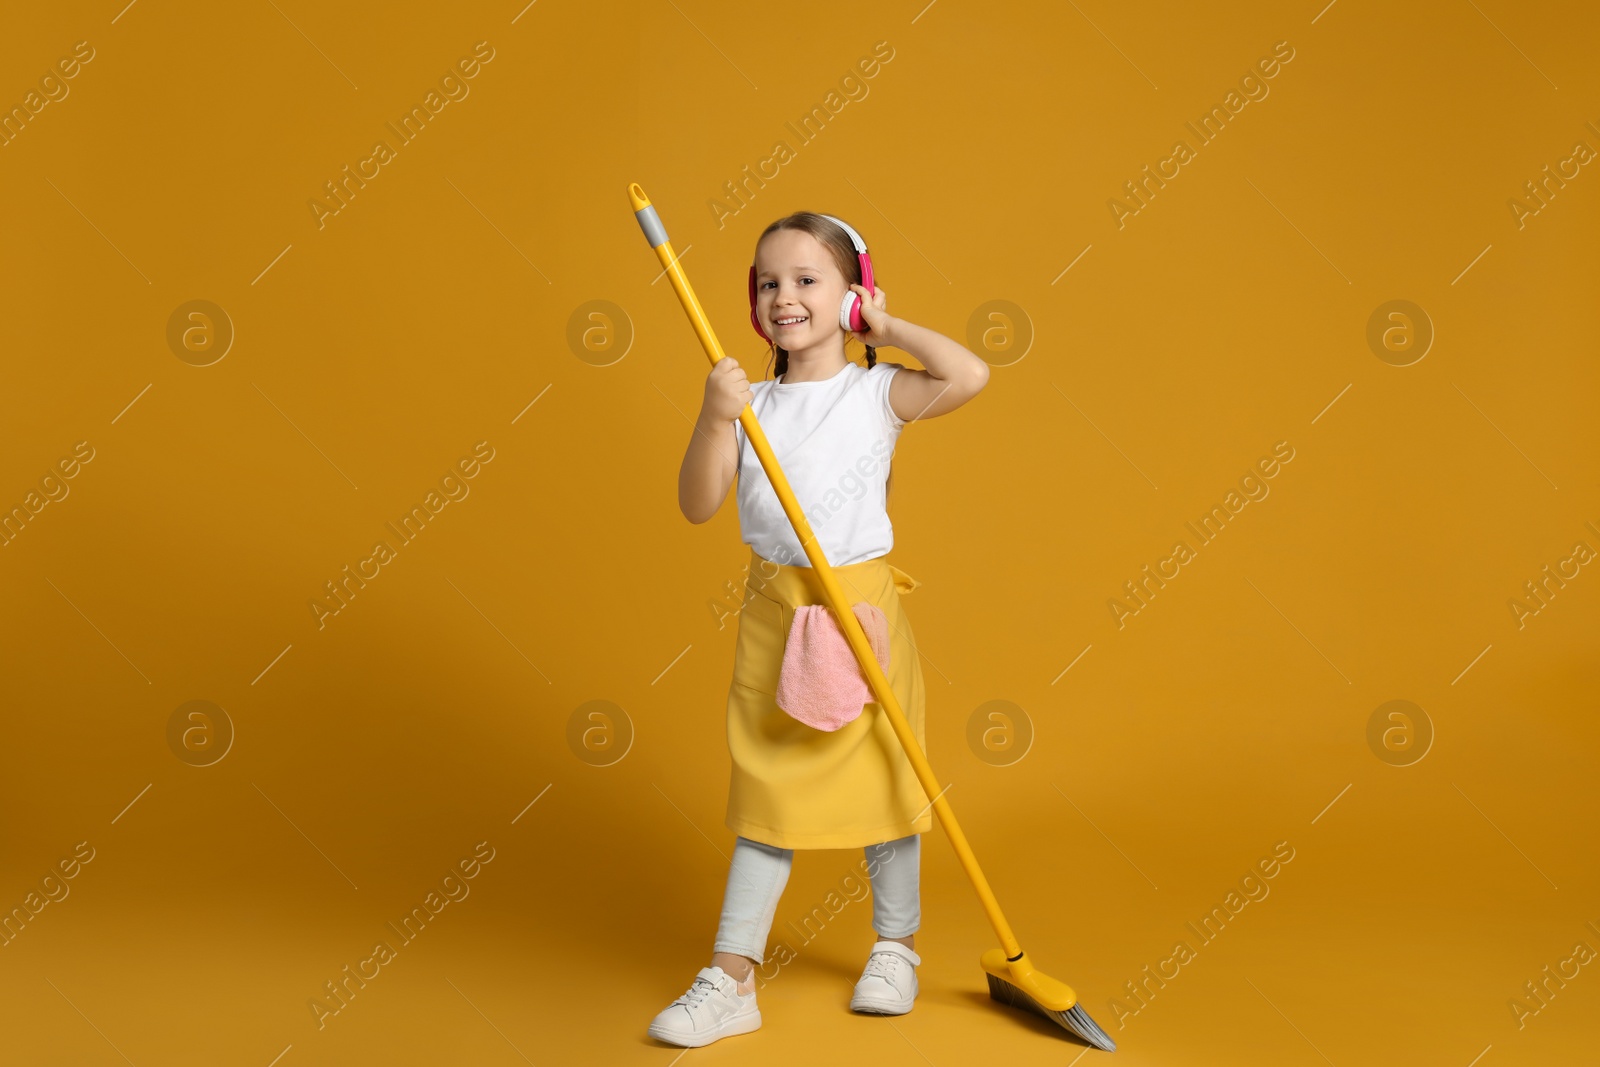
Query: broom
x=1012, y=977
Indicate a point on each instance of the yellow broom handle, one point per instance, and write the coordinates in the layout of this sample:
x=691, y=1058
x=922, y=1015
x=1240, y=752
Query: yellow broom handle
x=656, y=234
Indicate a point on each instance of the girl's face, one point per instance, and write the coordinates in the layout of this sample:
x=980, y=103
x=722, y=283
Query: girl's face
x=797, y=279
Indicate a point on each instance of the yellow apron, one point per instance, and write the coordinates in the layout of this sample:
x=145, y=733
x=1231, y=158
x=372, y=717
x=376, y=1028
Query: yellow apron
x=798, y=787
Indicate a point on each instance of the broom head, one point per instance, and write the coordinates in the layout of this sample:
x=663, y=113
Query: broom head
x=1019, y=984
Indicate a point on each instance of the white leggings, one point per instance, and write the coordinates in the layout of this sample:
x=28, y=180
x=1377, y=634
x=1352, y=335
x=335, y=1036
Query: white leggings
x=759, y=872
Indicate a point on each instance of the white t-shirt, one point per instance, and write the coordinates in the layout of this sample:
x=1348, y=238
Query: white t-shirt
x=833, y=439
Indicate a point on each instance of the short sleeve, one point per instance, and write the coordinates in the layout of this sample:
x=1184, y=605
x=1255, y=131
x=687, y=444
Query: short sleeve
x=894, y=422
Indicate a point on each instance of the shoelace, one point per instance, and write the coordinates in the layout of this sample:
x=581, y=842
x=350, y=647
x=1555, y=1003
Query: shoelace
x=881, y=965
x=701, y=988
x=698, y=991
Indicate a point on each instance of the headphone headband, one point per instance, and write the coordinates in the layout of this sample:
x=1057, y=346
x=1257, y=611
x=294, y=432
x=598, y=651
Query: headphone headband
x=855, y=238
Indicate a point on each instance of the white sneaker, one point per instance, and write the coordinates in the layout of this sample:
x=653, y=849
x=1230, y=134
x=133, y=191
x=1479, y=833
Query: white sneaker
x=712, y=1008
x=888, y=985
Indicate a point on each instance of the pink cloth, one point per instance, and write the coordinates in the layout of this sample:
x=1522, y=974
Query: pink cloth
x=820, y=682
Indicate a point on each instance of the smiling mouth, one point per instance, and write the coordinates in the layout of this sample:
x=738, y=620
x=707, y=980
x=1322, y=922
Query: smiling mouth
x=782, y=325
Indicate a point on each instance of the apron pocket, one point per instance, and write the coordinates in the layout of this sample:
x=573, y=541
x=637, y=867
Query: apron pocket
x=758, y=652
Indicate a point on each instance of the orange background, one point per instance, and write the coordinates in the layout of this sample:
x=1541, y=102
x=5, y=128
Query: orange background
x=435, y=311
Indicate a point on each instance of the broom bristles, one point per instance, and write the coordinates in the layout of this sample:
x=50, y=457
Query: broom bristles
x=1074, y=1018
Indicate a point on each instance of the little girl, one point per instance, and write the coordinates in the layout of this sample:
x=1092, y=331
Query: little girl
x=832, y=425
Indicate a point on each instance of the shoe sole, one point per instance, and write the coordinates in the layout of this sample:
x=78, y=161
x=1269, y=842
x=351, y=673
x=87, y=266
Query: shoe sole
x=881, y=1007
x=730, y=1028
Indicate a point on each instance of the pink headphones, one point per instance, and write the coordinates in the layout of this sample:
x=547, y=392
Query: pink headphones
x=850, y=307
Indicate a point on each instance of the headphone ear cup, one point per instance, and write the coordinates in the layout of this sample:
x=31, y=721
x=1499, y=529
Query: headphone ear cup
x=856, y=316
x=850, y=312
x=755, y=320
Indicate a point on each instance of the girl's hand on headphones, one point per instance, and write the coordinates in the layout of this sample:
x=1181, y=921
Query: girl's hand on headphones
x=878, y=320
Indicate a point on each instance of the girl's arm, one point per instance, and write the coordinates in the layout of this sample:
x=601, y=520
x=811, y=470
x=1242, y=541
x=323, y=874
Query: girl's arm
x=954, y=375
x=711, y=460
x=708, y=469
